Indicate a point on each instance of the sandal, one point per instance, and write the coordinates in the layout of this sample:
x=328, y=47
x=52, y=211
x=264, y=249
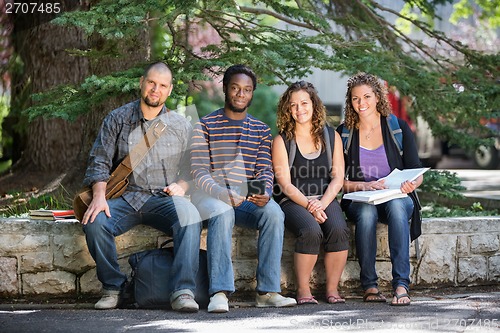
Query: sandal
x=306, y=300
x=379, y=298
x=333, y=299
x=398, y=297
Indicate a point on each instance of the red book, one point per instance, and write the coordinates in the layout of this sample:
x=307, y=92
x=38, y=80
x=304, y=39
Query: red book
x=47, y=214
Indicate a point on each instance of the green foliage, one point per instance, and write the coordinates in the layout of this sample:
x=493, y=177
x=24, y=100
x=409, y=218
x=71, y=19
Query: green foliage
x=21, y=205
x=434, y=210
x=442, y=183
x=283, y=41
x=490, y=11
x=264, y=104
x=4, y=111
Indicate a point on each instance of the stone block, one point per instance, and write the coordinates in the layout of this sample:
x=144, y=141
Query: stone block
x=457, y=225
x=128, y=244
x=472, y=270
x=384, y=272
x=484, y=243
x=350, y=276
x=318, y=275
x=246, y=247
x=494, y=268
x=463, y=248
x=89, y=283
x=49, y=283
x=287, y=277
x=8, y=276
x=13, y=244
x=288, y=246
x=438, y=262
x=71, y=254
x=244, y=272
x=36, y=262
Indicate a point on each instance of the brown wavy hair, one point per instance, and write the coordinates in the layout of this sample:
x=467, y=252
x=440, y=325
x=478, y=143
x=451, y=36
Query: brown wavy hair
x=285, y=122
x=378, y=87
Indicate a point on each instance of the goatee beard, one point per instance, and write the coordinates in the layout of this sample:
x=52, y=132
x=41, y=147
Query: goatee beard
x=234, y=108
x=148, y=102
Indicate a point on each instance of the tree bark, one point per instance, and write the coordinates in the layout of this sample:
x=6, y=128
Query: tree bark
x=49, y=144
x=55, y=146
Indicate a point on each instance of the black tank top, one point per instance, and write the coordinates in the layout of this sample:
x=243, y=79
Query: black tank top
x=310, y=176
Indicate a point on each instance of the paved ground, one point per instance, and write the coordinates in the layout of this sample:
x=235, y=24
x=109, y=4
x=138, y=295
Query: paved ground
x=479, y=183
x=431, y=311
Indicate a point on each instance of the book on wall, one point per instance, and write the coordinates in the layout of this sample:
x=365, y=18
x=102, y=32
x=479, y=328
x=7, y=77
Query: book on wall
x=48, y=214
x=393, y=182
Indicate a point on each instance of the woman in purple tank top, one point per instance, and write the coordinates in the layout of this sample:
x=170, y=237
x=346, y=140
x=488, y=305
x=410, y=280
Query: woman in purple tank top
x=373, y=154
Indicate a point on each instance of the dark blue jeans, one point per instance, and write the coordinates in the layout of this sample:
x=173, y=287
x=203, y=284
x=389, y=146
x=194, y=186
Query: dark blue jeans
x=175, y=216
x=221, y=219
x=396, y=214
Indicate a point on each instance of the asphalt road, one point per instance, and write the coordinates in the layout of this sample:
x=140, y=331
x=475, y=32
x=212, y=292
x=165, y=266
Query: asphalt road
x=430, y=311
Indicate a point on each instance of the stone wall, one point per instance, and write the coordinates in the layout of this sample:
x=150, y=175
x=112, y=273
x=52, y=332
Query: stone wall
x=50, y=258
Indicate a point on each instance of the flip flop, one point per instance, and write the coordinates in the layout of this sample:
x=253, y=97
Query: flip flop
x=306, y=300
x=333, y=299
x=398, y=297
x=379, y=298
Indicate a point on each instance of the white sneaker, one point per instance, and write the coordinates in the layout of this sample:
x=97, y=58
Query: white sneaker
x=218, y=303
x=273, y=300
x=185, y=303
x=108, y=301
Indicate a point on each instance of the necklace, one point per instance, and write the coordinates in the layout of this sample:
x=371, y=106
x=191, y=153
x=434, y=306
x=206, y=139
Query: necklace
x=367, y=136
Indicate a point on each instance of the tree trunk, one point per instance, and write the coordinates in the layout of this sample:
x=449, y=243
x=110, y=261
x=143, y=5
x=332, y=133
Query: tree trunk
x=50, y=144
x=55, y=146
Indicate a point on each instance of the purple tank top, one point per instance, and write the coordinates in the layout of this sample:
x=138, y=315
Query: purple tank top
x=373, y=163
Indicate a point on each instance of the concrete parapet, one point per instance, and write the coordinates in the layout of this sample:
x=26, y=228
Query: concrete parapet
x=51, y=257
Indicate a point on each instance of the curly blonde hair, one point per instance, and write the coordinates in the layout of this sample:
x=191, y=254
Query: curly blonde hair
x=285, y=122
x=383, y=107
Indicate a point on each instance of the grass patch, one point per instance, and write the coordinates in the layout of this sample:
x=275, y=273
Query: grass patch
x=20, y=205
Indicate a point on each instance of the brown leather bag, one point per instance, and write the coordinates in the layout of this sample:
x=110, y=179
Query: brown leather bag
x=118, y=181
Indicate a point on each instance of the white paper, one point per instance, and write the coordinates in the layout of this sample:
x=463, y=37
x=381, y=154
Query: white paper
x=396, y=177
x=393, y=182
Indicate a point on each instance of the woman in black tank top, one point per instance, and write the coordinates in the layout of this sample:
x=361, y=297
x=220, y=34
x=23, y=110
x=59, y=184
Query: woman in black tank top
x=308, y=188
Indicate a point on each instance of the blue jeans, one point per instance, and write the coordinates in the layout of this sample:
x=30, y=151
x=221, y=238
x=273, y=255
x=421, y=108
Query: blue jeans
x=396, y=214
x=221, y=218
x=175, y=216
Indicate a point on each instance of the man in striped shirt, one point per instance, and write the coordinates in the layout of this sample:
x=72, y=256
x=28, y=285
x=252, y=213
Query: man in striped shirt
x=229, y=148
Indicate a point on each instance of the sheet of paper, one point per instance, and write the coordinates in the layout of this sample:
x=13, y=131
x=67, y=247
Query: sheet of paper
x=396, y=177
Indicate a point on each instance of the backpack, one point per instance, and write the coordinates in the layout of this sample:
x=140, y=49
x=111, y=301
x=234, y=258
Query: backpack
x=395, y=130
x=149, y=286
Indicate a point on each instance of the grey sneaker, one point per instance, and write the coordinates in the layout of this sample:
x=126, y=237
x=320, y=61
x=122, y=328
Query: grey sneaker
x=218, y=303
x=109, y=300
x=273, y=300
x=185, y=303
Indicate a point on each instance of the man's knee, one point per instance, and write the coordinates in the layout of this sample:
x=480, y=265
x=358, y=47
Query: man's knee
x=187, y=213
x=273, y=212
x=98, y=226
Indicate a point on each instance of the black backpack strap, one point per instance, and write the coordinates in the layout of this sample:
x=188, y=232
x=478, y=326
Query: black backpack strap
x=291, y=149
x=329, y=142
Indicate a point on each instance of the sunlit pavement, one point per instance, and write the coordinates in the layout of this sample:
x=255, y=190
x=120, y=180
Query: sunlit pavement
x=479, y=183
x=429, y=312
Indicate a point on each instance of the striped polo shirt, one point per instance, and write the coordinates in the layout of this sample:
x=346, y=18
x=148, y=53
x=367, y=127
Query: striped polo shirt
x=226, y=152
